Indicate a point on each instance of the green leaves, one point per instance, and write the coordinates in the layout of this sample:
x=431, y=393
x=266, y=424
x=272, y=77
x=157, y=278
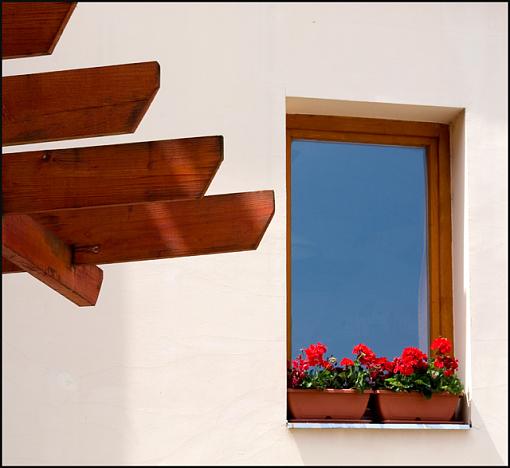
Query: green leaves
x=355, y=377
x=427, y=381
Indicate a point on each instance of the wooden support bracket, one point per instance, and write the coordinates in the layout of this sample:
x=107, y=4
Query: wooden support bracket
x=40, y=253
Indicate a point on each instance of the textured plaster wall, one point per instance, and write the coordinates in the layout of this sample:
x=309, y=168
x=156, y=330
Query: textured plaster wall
x=183, y=361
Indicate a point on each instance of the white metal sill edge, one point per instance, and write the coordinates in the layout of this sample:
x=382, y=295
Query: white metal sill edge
x=325, y=425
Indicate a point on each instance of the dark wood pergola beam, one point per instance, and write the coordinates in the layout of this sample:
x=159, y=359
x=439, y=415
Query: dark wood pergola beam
x=30, y=29
x=209, y=225
x=131, y=173
x=9, y=267
x=39, y=252
x=80, y=103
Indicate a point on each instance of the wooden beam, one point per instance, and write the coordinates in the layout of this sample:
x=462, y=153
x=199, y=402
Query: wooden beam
x=80, y=103
x=329, y=123
x=108, y=175
x=9, y=267
x=213, y=224
x=445, y=234
x=33, y=28
x=40, y=253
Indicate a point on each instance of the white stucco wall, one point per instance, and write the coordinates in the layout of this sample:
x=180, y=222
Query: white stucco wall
x=182, y=361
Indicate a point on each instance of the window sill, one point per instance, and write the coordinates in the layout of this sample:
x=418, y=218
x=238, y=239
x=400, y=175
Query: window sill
x=333, y=425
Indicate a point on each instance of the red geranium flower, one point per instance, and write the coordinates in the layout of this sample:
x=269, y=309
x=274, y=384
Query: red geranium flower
x=401, y=367
x=442, y=345
x=450, y=363
x=315, y=354
x=438, y=362
x=300, y=364
x=366, y=355
x=384, y=364
x=411, y=360
x=346, y=362
x=414, y=356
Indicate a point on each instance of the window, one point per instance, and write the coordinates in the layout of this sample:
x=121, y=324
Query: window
x=368, y=234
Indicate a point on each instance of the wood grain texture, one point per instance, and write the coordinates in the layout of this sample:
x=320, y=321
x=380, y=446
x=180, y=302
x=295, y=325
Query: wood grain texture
x=9, y=267
x=433, y=240
x=213, y=224
x=40, y=253
x=445, y=232
x=77, y=103
x=288, y=245
x=368, y=138
x=33, y=28
x=361, y=125
x=108, y=175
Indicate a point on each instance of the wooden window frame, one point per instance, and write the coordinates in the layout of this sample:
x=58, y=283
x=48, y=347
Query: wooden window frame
x=435, y=138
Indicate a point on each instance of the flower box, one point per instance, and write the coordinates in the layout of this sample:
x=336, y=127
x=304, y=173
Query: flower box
x=413, y=406
x=412, y=387
x=348, y=404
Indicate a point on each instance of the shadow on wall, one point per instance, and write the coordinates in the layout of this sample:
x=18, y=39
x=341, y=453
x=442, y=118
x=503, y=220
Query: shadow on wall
x=64, y=382
x=397, y=447
x=97, y=385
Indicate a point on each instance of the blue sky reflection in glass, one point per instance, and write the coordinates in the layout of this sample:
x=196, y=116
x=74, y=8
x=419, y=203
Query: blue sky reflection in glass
x=359, y=247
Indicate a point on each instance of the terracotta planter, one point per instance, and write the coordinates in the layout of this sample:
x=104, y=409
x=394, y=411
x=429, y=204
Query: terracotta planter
x=327, y=404
x=413, y=406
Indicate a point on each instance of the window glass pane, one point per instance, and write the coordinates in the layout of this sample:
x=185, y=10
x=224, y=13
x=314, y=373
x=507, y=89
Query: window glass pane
x=359, y=247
